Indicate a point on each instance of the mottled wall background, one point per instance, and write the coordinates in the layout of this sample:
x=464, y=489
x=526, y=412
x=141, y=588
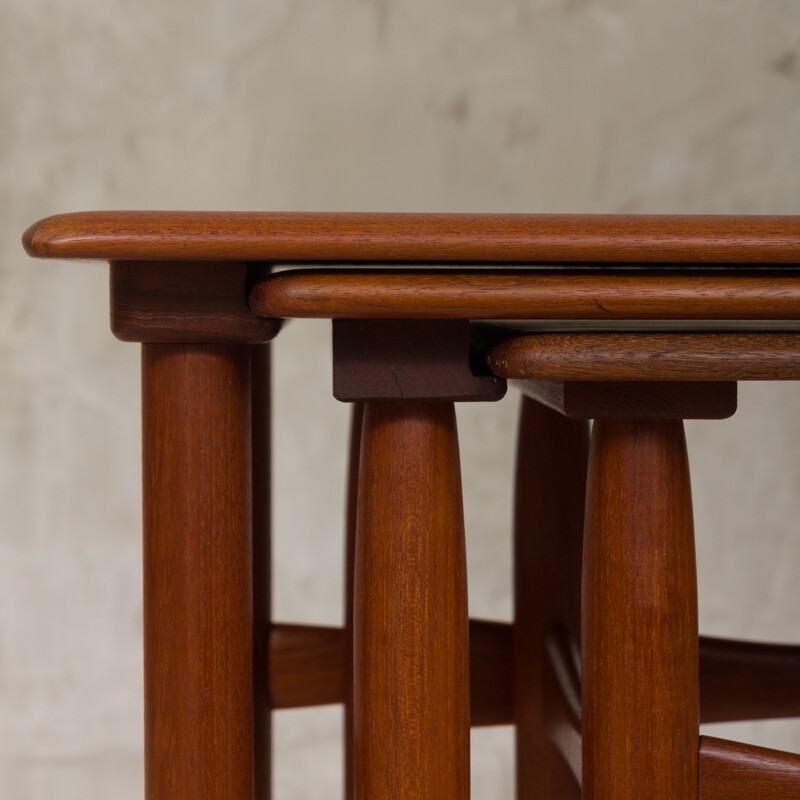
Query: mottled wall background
x=432, y=105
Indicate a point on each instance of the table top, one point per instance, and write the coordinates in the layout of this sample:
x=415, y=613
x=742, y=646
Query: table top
x=378, y=238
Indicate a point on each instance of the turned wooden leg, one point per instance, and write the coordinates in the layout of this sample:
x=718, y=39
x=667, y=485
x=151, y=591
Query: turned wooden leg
x=411, y=627
x=198, y=611
x=552, y=454
x=261, y=410
x=356, y=419
x=640, y=639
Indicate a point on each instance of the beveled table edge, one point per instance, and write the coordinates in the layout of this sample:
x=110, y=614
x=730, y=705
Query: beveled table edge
x=301, y=237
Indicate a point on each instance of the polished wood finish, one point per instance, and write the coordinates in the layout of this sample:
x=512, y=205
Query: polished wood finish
x=599, y=294
x=748, y=680
x=561, y=687
x=163, y=301
x=734, y=771
x=629, y=400
x=351, y=519
x=640, y=639
x=261, y=455
x=648, y=357
x=407, y=360
x=195, y=288
x=491, y=673
x=411, y=651
x=198, y=572
x=552, y=455
x=288, y=237
x=738, y=679
x=306, y=665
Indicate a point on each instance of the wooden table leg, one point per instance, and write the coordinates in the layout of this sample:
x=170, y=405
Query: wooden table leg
x=552, y=453
x=261, y=410
x=356, y=420
x=198, y=572
x=640, y=639
x=411, y=628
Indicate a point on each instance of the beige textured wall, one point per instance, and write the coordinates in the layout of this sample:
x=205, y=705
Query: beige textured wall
x=493, y=105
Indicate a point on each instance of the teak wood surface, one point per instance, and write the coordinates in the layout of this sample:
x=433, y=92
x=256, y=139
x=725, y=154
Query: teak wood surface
x=410, y=612
x=309, y=665
x=261, y=460
x=552, y=454
x=562, y=699
x=309, y=237
x=640, y=638
x=734, y=771
x=635, y=399
x=748, y=680
x=408, y=360
x=351, y=522
x=739, y=680
x=599, y=294
x=198, y=573
x=165, y=301
x=696, y=357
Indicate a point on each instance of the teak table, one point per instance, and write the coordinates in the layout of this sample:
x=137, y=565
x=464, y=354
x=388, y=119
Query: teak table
x=634, y=322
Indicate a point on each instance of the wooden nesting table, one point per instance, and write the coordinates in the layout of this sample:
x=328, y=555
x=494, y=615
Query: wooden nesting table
x=634, y=322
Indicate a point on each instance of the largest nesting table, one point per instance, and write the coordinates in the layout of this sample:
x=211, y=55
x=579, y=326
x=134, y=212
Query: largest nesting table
x=635, y=322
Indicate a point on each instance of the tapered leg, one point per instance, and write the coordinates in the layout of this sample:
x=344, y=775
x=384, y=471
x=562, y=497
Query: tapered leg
x=357, y=417
x=411, y=627
x=552, y=453
x=198, y=612
x=640, y=639
x=261, y=410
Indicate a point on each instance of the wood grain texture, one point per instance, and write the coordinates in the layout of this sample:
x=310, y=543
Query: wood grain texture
x=632, y=400
x=306, y=665
x=351, y=520
x=528, y=294
x=198, y=572
x=648, y=357
x=411, y=637
x=552, y=454
x=491, y=672
x=562, y=701
x=640, y=639
x=407, y=360
x=261, y=454
x=748, y=680
x=288, y=237
x=201, y=302
x=734, y=771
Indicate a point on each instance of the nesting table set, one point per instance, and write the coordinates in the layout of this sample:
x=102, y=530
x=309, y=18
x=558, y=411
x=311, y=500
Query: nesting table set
x=633, y=322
